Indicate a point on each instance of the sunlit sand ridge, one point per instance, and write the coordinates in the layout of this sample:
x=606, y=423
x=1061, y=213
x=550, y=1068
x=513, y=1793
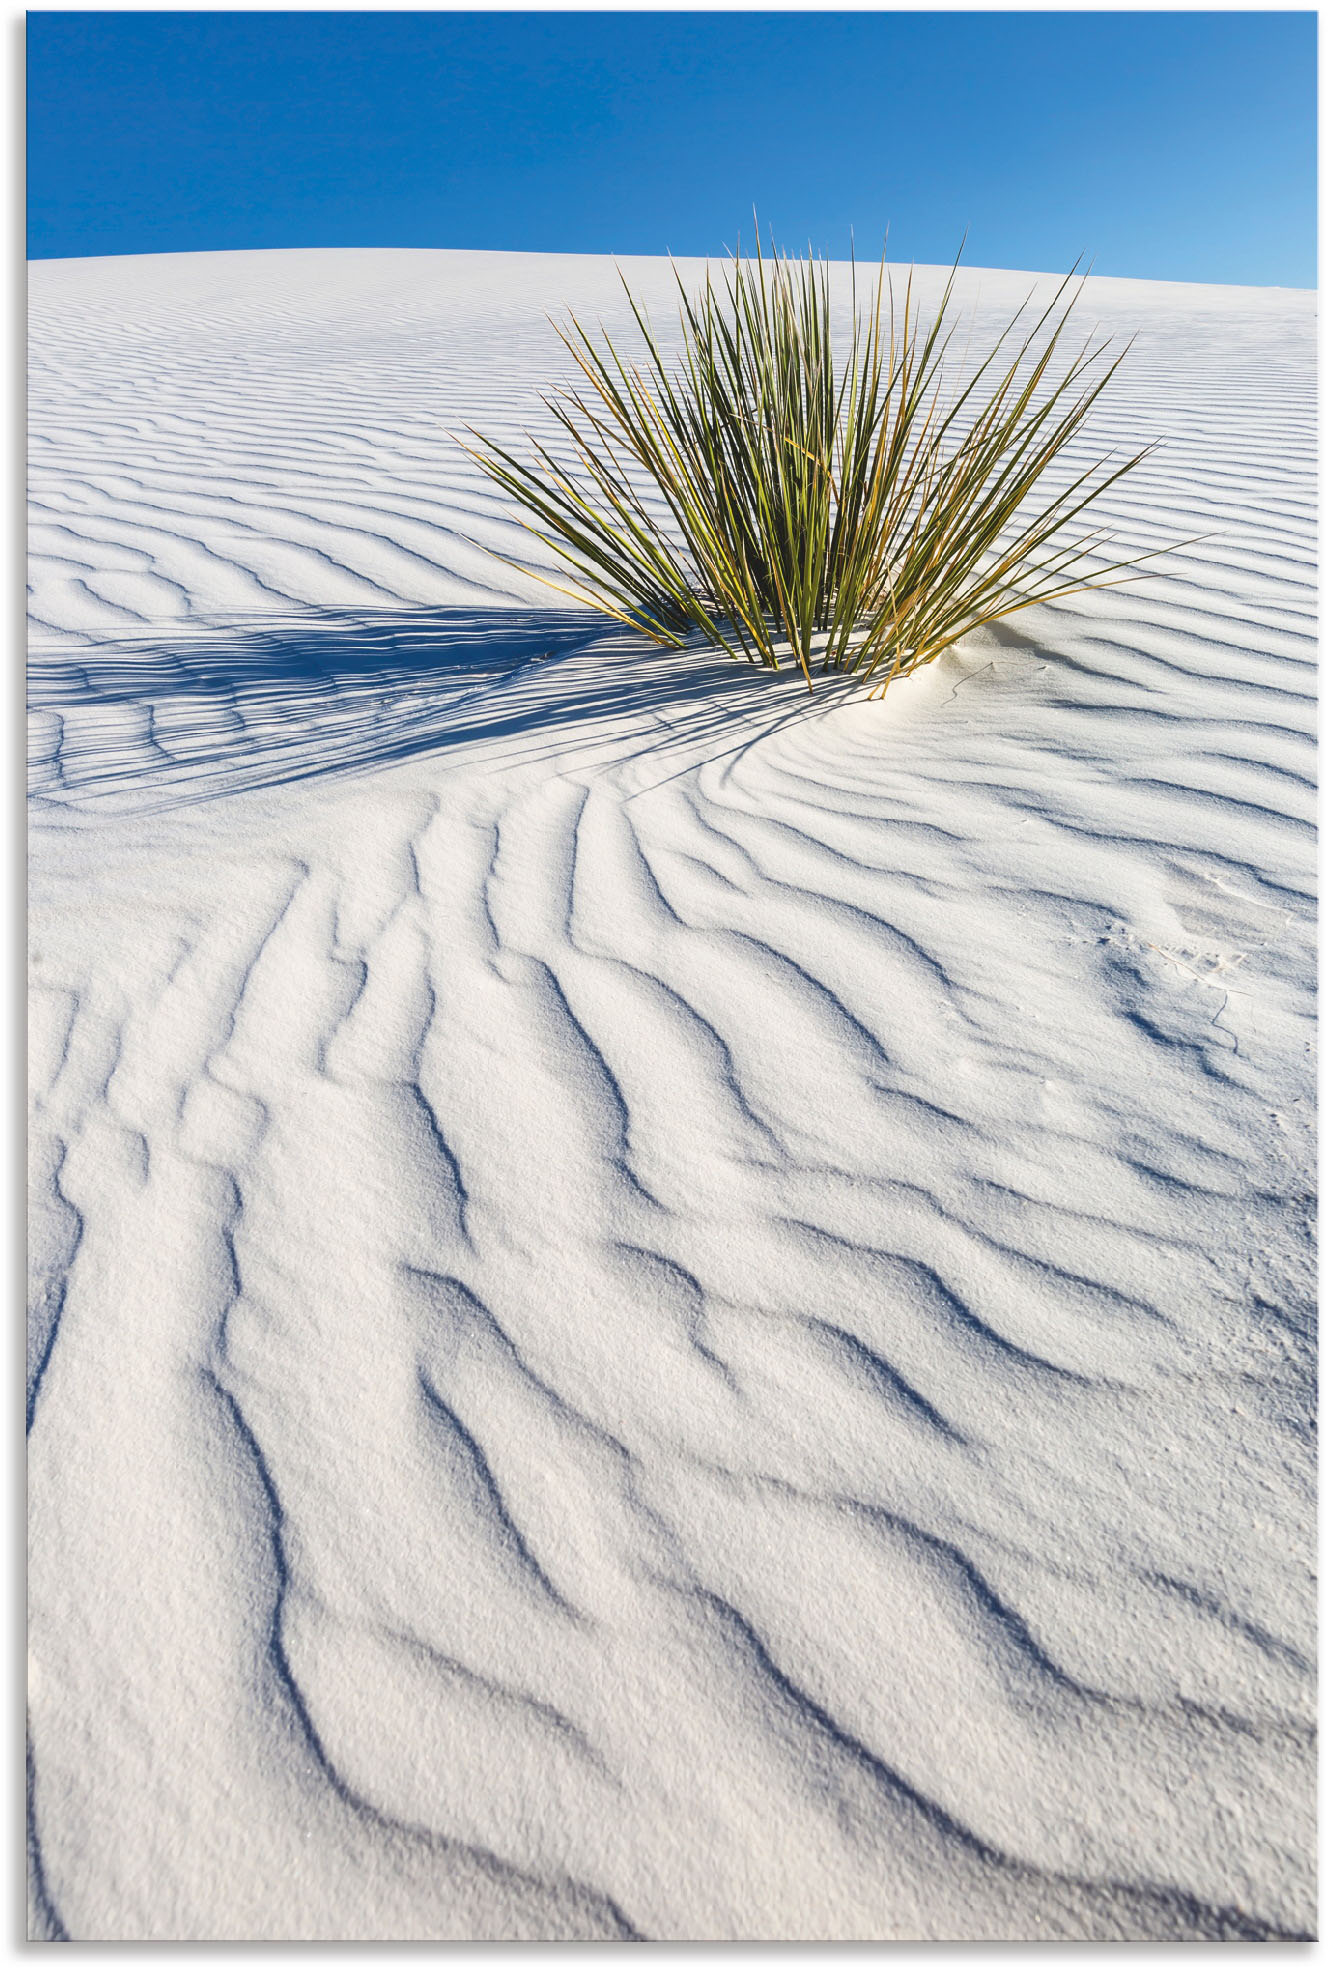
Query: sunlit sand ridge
x=657, y=1310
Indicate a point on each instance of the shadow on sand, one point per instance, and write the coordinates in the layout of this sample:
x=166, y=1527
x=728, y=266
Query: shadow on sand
x=226, y=706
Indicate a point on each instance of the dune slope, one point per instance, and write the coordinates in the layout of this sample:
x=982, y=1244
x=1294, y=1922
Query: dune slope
x=657, y=1310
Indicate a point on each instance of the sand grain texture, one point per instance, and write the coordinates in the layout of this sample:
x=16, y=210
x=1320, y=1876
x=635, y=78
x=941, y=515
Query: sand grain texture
x=655, y=1313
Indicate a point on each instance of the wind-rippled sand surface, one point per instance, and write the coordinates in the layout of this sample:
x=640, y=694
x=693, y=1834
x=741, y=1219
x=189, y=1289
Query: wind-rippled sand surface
x=655, y=1312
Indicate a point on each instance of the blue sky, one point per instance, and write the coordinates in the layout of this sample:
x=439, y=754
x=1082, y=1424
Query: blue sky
x=1164, y=145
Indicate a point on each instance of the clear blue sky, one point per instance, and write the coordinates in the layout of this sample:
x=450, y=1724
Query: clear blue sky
x=1166, y=145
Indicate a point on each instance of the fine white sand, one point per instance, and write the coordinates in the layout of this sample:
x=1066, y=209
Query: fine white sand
x=657, y=1310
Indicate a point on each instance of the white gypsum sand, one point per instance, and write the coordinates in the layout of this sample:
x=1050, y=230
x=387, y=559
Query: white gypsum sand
x=657, y=1309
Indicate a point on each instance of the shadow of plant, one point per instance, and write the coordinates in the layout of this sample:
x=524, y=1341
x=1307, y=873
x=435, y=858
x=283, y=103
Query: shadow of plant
x=228, y=706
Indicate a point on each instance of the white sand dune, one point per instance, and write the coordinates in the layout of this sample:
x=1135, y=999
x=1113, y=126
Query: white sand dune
x=657, y=1311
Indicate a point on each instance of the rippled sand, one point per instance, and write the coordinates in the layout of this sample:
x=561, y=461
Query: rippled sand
x=657, y=1310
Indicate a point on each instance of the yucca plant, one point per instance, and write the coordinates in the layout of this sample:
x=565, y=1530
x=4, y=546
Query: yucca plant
x=860, y=514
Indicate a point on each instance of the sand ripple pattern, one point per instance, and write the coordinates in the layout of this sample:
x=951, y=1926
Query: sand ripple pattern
x=654, y=1314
